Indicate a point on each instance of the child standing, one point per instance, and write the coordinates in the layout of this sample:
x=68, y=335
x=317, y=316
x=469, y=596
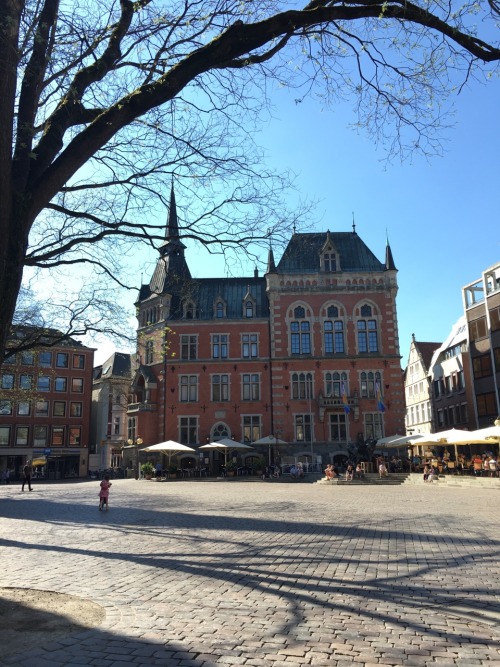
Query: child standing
x=104, y=493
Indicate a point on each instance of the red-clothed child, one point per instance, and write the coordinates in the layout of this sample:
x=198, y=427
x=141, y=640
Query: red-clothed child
x=104, y=493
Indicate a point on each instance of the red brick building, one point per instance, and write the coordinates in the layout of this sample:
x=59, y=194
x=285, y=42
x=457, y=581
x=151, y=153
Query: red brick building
x=45, y=402
x=308, y=352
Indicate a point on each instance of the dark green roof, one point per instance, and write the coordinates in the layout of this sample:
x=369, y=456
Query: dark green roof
x=302, y=255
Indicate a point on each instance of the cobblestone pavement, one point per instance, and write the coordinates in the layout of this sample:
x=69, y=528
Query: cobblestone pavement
x=200, y=573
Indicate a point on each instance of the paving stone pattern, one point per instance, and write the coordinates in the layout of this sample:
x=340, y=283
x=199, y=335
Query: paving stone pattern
x=197, y=573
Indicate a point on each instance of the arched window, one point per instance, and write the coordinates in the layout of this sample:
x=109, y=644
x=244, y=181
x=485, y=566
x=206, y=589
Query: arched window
x=220, y=309
x=369, y=381
x=367, y=331
x=220, y=431
x=149, y=352
x=334, y=383
x=249, y=308
x=300, y=332
x=302, y=385
x=189, y=311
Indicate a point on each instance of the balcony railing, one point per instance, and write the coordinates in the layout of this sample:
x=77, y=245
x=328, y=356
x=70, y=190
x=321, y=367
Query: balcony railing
x=141, y=407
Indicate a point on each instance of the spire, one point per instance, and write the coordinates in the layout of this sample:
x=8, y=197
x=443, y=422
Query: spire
x=172, y=222
x=389, y=260
x=271, y=266
x=353, y=224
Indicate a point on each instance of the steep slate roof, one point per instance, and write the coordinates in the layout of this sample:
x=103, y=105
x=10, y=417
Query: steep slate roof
x=205, y=292
x=303, y=252
x=118, y=365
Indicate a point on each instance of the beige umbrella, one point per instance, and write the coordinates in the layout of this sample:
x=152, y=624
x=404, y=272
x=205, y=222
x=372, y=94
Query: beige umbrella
x=169, y=448
x=270, y=440
x=224, y=445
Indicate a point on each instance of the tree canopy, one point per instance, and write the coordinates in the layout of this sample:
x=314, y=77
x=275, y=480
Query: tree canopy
x=102, y=101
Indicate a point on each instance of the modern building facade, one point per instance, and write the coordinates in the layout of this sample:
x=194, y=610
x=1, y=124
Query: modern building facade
x=110, y=399
x=45, y=402
x=450, y=378
x=307, y=353
x=481, y=301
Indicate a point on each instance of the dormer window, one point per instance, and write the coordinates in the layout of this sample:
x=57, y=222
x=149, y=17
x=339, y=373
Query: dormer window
x=189, y=310
x=220, y=309
x=249, y=308
x=329, y=262
x=329, y=257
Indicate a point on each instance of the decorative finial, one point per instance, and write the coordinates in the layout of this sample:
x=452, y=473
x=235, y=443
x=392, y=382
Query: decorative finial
x=353, y=224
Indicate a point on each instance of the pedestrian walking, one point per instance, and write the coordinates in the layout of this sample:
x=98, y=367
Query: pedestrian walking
x=27, y=472
x=6, y=475
x=104, y=493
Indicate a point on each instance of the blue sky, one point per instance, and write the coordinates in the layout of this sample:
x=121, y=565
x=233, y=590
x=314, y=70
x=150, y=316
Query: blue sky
x=441, y=215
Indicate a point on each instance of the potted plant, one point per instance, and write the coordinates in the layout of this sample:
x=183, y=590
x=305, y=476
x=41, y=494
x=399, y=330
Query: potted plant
x=147, y=470
x=260, y=465
x=231, y=468
x=172, y=470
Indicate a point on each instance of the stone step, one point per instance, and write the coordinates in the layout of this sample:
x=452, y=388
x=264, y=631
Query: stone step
x=457, y=480
x=369, y=478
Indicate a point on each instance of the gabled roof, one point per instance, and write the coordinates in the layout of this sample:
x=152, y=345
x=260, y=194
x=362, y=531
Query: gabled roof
x=426, y=351
x=302, y=255
x=117, y=366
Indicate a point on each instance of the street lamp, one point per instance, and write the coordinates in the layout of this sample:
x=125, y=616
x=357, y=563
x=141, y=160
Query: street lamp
x=137, y=442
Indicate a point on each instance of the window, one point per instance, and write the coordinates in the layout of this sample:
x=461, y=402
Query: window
x=75, y=436
x=149, y=352
x=251, y=428
x=7, y=381
x=43, y=383
x=25, y=382
x=482, y=366
x=300, y=341
x=189, y=347
x=10, y=359
x=4, y=436
x=333, y=332
x=251, y=387
x=249, y=346
x=486, y=405
x=60, y=384
x=5, y=408
x=75, y=409
x=59, y=409
x=45, y=358
x=496, y=353
x=24, y=408
x=338, y=429
x=219, y=346
x=477, y=329
x=57, y=436
x=303, y=428
x=40, y=436
x=330, y=262
x=369, y=382
x=62, y=360
x=249, y=308
x=22, y=433
x=373, y=425
x=77, y=385
x=302, y=385
x=78, y=361
x=189, y=310
x=42, y=409
x=333, y=384
x=116, y=426
x=188, y=430
x=220, y=387
x=27, y=358
x=189, y=388
x=220, y=309
x=367, y=336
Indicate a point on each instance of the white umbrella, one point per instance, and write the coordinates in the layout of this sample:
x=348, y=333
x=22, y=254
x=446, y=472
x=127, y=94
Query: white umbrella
x=223, y=445
x=169, y=447
x=388, y=439
x=270, y=440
